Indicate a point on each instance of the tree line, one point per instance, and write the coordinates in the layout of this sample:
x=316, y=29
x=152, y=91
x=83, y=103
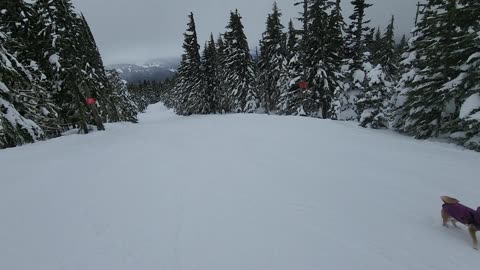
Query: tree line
x=426, y=87
x=52, y=77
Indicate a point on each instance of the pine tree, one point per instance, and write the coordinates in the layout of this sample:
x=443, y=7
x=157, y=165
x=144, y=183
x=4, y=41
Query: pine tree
x=33, y=98
x=210, y=71
x=356, y=65
x=408, y=71
x=291, y=97
x=140, y=96
x=273, y=61
x=15, y=129
x=336, y=40
x=239, y=68
x=466, y=129
x=223, y=96
x=336, y=48
x=355, y=39
x=126, y=108
x=94, y=83
x=291, y=40
x=15, y=22
x=189, y=90
x=372, y=43
x=433, y=95
x=374, y=101
x=321, y=69
x=59, y=53
x=401, y=47
x=387, y=53
x=50, y=64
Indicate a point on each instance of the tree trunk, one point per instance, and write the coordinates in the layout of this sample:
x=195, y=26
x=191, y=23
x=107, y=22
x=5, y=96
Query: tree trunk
x=93, y=108
x=83, y=122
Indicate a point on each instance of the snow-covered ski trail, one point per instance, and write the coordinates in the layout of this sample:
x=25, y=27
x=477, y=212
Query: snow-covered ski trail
x=234, y=192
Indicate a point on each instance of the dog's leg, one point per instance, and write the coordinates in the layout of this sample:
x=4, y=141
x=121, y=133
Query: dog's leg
x=454, y=222
x=445, y=218
x=473, y=234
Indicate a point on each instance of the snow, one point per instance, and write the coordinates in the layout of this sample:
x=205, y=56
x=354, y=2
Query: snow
x=8, y=112
x=4, y=88
x=376, y=76
x=471, y=104
x=358, y=76
x=234, y=192
x=409, y=58
x=54, y=59
x=5, y=60
x=453, y=83
x=45, y=111
x=459, y=135
x=366, y=114
x=475, y=116
x=473, y=56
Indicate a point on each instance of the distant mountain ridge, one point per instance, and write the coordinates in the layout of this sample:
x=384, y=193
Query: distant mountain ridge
x=152, y=70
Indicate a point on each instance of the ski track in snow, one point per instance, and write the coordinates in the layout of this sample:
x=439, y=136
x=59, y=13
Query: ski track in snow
x=234, y=192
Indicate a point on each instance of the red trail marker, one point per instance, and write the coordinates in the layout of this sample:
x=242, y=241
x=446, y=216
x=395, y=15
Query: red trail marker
x=91, y=101
x=303, y=85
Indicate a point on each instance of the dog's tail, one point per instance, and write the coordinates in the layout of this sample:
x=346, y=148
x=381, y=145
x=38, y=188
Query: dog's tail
x=449, y=200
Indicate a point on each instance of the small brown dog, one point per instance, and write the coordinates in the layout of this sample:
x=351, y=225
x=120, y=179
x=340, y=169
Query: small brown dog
x=454, y=211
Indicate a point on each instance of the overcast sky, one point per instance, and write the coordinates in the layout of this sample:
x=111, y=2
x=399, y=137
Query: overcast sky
x=133, y=31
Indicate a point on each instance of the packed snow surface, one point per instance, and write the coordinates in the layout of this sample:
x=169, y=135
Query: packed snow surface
x=234, y=192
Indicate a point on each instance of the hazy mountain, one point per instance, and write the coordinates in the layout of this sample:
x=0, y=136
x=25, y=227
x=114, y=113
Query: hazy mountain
x=152, y=70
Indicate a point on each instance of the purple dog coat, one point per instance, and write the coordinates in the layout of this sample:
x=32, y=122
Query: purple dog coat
x=463, y=214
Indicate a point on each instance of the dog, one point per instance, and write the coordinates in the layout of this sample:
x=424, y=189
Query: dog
x=453, y=211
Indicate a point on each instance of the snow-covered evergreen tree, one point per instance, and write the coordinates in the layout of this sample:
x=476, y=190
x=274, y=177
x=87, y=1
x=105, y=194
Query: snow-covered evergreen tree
x=189, y=89
x=211, y=72
x=223, y=95
x=387, y=55
x=355, y=39
x=15, y=129
x=58, y=52
x=336, y=49
x=401, y=47
x=125, y=107
x=33, y=97
x=356, y=65
x=273, y=62
x=466, y=129
x=291, y=97
x=373, y=44
x=93, y=81
x=322, y=68
x=434, y=94
x=239, y=68
x=374, y=101
x=50, y=67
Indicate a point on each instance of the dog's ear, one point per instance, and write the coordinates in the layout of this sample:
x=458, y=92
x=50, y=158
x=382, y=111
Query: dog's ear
x=449, y=200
